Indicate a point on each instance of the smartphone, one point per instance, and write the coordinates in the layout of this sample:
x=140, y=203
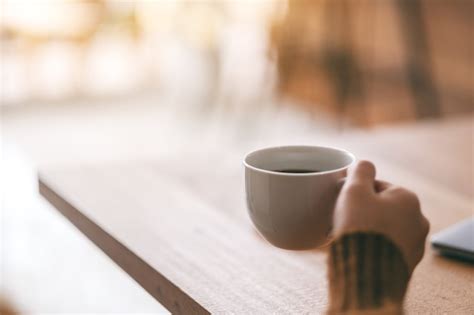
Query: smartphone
x=456, y=241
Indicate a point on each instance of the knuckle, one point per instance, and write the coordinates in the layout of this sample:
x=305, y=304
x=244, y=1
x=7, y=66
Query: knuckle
x=426, y=226
x=398, y=190
x=409, y=197
x=410, y=194
x=414, y=202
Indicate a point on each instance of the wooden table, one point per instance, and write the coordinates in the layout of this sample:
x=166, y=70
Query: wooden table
x=181, y=229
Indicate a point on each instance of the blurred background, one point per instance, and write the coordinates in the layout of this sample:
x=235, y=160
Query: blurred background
x=88, y=81
x=366, y=61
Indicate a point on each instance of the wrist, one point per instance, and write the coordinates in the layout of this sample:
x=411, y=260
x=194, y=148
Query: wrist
x=366, y=271
x=392, y=236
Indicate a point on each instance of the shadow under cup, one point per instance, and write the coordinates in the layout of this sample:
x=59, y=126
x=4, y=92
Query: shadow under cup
x=289, y=205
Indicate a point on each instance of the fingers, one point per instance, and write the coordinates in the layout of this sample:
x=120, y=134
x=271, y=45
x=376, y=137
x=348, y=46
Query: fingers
x=381, y=186
x=419, y=250
x=401, y=195
x=426, y=225
x=362, y=174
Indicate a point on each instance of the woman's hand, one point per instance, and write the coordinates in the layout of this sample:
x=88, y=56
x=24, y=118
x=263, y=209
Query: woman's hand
x=367, y=205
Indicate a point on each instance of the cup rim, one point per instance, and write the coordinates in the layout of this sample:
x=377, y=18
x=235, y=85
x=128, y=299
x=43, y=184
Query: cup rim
x=261, y=170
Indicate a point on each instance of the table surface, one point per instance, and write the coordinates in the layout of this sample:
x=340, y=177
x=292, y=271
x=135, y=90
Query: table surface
x=180, y=228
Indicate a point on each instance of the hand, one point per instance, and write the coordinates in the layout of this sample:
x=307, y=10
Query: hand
x=365, y=204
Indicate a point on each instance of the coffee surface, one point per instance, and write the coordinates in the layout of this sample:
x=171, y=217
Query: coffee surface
x=296, y=171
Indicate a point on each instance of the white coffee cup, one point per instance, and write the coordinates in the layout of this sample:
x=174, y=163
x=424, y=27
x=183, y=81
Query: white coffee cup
x=294, y=210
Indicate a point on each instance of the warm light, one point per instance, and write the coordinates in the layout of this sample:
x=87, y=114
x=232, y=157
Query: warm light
x=49, y=17
x=56, y=68
x=111, y=66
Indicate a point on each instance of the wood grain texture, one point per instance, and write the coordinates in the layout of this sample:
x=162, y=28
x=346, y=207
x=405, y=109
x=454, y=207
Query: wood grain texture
x=182, y=232
x=151, y=280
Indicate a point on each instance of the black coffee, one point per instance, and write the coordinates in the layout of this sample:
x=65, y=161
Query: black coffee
x=296, y=170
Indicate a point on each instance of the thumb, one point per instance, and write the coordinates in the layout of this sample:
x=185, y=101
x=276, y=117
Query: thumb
x=362, y=174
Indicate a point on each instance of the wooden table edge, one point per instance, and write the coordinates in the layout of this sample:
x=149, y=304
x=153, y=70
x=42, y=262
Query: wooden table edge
x=157, y=285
